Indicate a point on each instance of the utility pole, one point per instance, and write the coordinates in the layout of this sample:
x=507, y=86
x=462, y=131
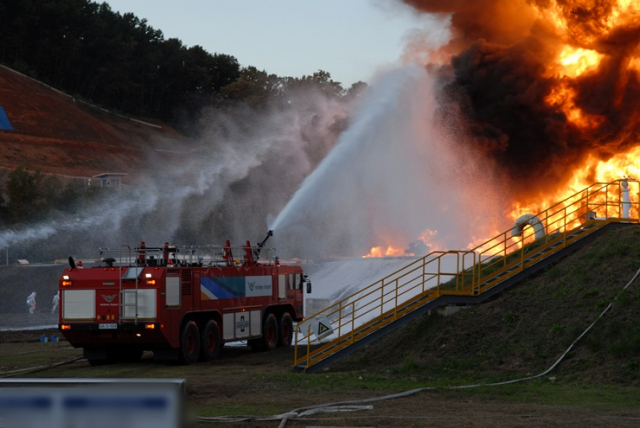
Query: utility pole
x=7, y=253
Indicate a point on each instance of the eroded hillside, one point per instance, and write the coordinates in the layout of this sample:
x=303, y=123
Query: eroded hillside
x=55, y=133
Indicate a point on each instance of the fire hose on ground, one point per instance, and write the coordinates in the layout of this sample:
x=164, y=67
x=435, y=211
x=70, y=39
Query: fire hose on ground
x=357, y=405
x=37, y=368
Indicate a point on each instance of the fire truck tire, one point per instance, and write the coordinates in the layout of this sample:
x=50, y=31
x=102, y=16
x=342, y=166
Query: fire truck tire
x=269, y=339
x=189, y=343
x=270, y=333
x=210, y=342
x=285, y=336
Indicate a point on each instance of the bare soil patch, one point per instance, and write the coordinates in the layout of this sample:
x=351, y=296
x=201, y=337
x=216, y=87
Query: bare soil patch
x=57, y=134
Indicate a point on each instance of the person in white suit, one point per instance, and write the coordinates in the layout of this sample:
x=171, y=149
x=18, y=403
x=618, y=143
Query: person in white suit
x=55, y=303
x=31, y=303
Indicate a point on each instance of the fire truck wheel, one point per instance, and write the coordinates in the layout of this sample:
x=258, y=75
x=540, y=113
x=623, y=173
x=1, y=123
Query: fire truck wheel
x=286, y=330
x=189, y=343
x=270, y=333
x=210, y=342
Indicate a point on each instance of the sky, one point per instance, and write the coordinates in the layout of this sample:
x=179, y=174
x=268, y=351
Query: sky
x=353, y=40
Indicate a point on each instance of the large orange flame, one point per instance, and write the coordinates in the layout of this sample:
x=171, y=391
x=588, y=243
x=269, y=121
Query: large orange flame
x=552, y=87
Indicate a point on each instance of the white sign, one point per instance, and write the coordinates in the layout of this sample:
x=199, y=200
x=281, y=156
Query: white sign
x=147, y=406
x=322, y=328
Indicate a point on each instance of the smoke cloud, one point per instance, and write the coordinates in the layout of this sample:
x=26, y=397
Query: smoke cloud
x=504, y=72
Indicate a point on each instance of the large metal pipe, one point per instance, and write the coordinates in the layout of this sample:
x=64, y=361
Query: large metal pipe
x=528, y=220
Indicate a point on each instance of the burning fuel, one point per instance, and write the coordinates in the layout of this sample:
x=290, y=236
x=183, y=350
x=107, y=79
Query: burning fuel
x=547, y=89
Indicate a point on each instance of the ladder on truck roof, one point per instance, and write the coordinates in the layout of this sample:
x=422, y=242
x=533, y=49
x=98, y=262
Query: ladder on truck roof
x=128, y=294
x=130, y=268
x=127, y=269
x=463, y=277
x=131, y=263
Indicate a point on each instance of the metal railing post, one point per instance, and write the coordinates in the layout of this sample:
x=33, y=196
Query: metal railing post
x=522, y=252
x=438, y=276
x=308, y=344
x=340, y=319
x=395, y=306
x=353, y=320
x=295, y=348
x=564, y=219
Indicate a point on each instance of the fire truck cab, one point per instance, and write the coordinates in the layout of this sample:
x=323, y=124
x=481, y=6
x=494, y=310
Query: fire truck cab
x=181, y=303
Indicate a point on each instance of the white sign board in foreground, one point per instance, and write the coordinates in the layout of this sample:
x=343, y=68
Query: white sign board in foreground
x=57, y=403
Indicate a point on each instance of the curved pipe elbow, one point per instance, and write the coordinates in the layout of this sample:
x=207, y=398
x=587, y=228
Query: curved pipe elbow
x=528, y=220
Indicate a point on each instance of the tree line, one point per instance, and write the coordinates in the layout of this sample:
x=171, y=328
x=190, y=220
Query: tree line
x=33, y=196
x=120, y=62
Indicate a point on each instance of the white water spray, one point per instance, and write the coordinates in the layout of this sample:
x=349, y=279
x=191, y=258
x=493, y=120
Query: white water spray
x=393, y=174
x=245, y=167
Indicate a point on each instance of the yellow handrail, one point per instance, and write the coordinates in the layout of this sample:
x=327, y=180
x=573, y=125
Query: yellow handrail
x=466, y=272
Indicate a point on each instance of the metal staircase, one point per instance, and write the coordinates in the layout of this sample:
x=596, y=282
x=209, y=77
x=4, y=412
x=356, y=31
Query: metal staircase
x=463, y=277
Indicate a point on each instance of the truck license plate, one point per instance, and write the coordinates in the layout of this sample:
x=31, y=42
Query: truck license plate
x=108, y=326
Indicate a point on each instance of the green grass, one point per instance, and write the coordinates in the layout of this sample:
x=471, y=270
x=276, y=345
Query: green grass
x=560, y=292
x=22, y=355
x=509, y=317
x=556, y=393
x=590, y=293
x=550, y=390
x=239, y=409
x=388, y=381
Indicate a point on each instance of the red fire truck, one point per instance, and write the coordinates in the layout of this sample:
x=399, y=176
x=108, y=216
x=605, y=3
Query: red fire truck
x=181, y=303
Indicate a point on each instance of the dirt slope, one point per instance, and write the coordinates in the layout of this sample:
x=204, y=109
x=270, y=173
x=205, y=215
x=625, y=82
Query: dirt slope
x=55, y=133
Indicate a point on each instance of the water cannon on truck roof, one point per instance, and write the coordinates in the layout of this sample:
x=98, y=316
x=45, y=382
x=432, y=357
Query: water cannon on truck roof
x=256, y=253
